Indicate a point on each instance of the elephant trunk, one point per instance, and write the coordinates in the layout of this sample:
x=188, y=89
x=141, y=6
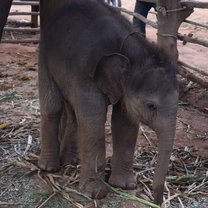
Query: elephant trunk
x=165, y=146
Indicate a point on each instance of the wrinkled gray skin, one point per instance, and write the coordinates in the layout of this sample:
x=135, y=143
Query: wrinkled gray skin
x=89, y=58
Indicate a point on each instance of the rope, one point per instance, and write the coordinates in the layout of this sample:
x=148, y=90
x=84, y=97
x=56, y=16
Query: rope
x=167, y=35
x=164, y=11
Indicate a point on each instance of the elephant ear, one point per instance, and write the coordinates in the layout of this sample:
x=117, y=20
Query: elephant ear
x=110, y=74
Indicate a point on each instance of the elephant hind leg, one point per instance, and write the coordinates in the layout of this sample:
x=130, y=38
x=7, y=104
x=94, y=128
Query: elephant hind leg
x=68, y=136
x=51, y=105
x=124, y=133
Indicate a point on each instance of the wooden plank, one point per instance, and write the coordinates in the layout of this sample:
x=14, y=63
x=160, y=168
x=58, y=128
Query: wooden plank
x=34, y=3
x=24, y=13
x=21, y=41
x=13, y=29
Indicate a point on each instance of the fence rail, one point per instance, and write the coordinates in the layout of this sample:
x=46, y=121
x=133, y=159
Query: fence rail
x=34, y=20
x=24, y=13
x=31, y=3
x=21, y=41
x=13, y=29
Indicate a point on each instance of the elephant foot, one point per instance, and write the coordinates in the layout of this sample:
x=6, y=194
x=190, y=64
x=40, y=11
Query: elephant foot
x=93, y=187
x=49, y=162
x=125, y=180
x=69, y=158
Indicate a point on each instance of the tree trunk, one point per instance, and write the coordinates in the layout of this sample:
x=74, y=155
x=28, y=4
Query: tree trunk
x=170, y=17
x=5, y=6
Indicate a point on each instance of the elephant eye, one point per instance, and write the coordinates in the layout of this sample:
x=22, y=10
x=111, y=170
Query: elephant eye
x=151, y=106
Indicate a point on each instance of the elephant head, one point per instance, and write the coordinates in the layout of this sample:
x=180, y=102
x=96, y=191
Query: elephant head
x=148, y=92
x=156, y=106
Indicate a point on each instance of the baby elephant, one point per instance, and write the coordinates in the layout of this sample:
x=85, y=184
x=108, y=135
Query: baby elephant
x=91, y=57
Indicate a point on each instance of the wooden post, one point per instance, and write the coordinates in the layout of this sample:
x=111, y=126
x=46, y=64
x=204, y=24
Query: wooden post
x=34, y=18
x=170, y=16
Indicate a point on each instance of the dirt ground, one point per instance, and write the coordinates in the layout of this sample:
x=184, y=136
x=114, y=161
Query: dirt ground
x=22, y=185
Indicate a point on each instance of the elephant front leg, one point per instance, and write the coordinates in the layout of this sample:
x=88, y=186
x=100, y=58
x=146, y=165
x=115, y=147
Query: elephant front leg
x=124, y=133
x=92, y=149
x=91, y=141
